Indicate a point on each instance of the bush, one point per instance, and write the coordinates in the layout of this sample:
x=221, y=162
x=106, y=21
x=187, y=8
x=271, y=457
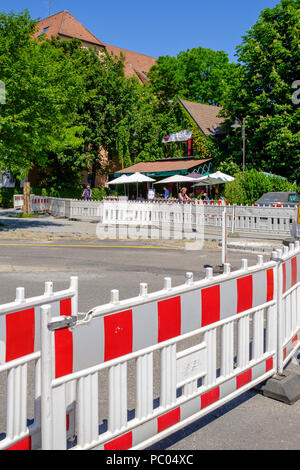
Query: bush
x=255, y=184
x=98, y=194
x=7, y=197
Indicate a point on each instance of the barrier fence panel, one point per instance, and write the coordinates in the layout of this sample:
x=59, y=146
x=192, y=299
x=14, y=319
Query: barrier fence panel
x=278, y=220
x=288, y=303
x=20, y=354
x=205, y=342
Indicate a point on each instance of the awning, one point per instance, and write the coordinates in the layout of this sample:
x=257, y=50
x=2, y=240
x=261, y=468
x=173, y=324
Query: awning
x=164, y=168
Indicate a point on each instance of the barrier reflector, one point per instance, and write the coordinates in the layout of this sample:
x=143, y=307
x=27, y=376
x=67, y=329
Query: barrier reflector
x=244, y=293
x=120, y=443
x=63, y=352
x=270, y=285
x=169, y=318
x=269, y=364
x=243, y=378
x=20, y=328
x=25, y=444
x=210, y=397
x=118, y=334
x=294, y=270
x=283, y=278
x=210, y=305
x=167, y=420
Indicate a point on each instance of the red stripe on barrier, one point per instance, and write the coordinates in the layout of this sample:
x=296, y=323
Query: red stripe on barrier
x=167, y=420
x=169, y=318
x=244, y=378
x=210, y=305
x=283, y=277
x=284, y=353
x=294, y=271
x=66, y=307
x=121, y=443
x=63, y=352
x=20, y=328
x=210, y=397
x=118, y=335
x=270, y=285
x=294, y=341
x=25, y=444
x=244, y=293
x=269, y=364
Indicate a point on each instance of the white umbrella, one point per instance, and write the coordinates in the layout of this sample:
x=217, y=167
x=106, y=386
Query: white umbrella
x=139, y=178
x=214, y=178
x=177, y=179
x=120, y=180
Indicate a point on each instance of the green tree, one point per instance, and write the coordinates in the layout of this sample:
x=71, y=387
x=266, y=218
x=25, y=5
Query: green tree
x=199, y=75
x=269, y=63
x=42, y=97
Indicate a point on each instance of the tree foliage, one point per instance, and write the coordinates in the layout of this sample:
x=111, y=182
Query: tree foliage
x=248, y=190
x=269, y=63
x=199, y=75
x=42, y=97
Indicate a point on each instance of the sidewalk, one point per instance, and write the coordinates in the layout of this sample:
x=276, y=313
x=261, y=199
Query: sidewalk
x=48, y=228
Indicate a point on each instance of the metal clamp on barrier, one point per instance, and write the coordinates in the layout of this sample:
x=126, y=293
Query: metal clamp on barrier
x=59, y=323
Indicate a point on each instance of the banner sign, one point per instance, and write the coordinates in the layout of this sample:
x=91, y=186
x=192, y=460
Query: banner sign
x=298, y=218
x=181, y=136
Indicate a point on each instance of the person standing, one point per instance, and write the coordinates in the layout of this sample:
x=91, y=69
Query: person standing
x=166, y=193
x=87, y=194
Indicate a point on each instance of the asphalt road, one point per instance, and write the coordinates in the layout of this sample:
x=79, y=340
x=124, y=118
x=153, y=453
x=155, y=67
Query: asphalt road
x=251, y=421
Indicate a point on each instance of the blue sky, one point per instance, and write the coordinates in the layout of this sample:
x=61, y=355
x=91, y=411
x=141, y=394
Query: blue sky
x=158, y=28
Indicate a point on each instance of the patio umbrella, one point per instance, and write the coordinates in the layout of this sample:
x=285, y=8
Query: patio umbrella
x=214, y=178
x=177, y=179
x=139, y=178
x=120, y=180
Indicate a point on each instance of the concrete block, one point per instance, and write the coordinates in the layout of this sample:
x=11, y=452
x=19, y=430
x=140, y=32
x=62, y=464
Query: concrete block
x=284, y=388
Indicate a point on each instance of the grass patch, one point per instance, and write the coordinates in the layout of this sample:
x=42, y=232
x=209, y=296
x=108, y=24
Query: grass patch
x=24, y=216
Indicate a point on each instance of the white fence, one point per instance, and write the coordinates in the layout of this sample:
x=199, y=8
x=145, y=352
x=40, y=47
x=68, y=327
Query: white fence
x=247, y=219
x=190, y=348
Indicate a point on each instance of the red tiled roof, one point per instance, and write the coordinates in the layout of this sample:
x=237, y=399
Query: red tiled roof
x=64, y=24
x=160, y=166
x=205, y=115
x=135, y=64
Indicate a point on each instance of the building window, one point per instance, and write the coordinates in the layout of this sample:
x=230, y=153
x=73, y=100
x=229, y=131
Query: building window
x=44, y=30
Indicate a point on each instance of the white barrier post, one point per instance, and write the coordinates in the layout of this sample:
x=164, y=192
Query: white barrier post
x=46, y=364
x=224, y=237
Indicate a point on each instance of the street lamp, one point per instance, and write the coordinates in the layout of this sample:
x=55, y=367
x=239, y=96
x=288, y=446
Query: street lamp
x=236, y=125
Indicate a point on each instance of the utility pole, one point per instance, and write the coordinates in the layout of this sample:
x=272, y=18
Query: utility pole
x=236, y=125
x=50, y=6
x=244, y=147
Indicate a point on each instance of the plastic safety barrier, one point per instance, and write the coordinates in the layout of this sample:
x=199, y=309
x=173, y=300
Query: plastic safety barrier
x=20, y=351
x=215, y=338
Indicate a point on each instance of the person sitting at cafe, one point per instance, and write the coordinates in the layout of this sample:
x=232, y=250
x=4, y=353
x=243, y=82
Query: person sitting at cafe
x=182, y=196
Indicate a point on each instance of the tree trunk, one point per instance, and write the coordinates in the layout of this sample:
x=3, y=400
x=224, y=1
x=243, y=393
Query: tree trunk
x=26, y=193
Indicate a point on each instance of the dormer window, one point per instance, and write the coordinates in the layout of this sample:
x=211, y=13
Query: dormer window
x=44, y=30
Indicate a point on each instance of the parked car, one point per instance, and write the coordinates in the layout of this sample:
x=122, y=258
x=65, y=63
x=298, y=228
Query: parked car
x=281, y=199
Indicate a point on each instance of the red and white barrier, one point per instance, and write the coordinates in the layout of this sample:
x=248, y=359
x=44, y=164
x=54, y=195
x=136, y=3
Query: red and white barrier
x=20, y=345
x=37, y=203
x=216, y=338
x=112, y=335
